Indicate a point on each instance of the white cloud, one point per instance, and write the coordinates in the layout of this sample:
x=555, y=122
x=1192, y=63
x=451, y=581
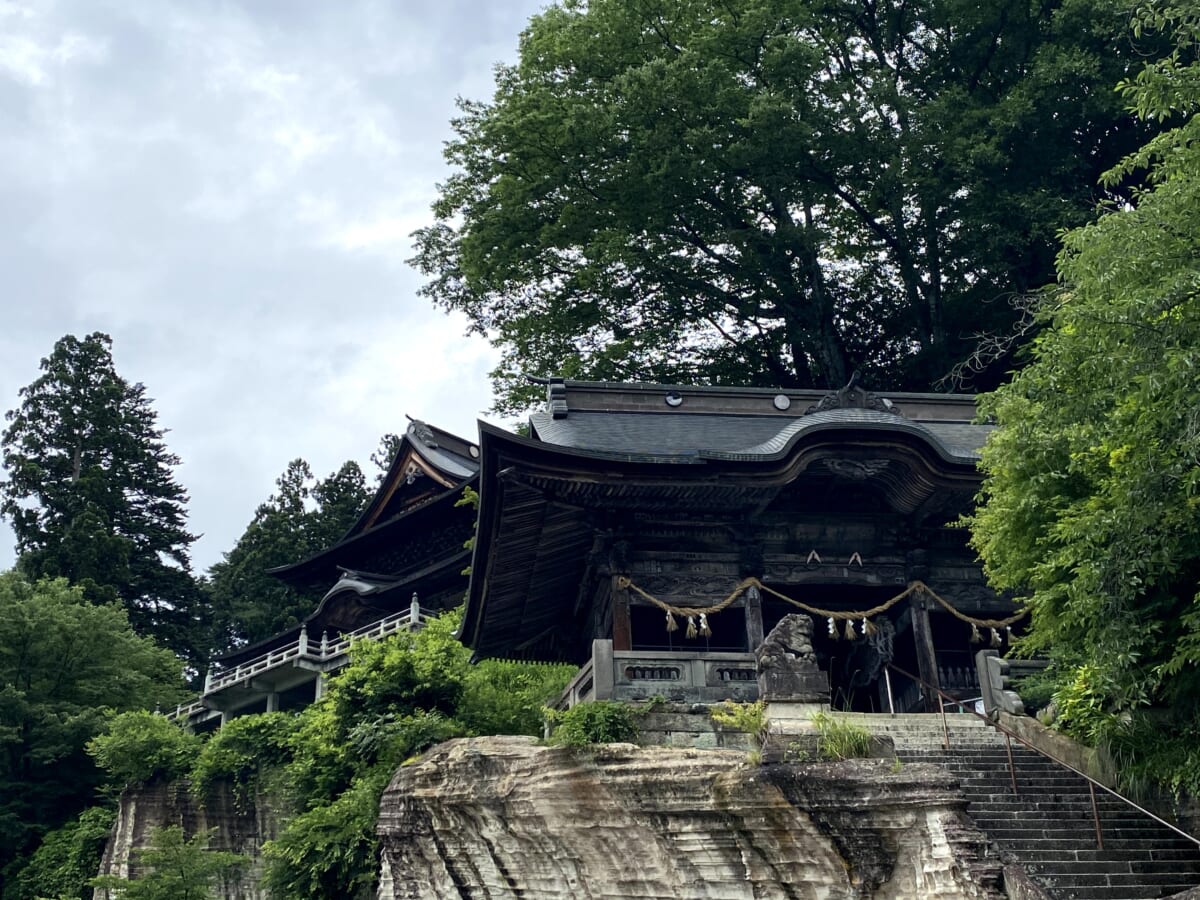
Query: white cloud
x=228, y=189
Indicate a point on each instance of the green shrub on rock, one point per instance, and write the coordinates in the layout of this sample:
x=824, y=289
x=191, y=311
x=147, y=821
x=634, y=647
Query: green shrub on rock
x=242, y=752
x=137, y=747
x=176, y=868
x=598, y=722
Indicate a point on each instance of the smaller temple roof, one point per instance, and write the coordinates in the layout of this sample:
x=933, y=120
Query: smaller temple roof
x=415, y=497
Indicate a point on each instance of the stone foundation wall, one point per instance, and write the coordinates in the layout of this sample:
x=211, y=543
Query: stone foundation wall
x=686, y=725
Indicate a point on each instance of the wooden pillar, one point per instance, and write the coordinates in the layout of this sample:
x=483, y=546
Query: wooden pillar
x=622, y=630
x=754, y=619
x=926, y=657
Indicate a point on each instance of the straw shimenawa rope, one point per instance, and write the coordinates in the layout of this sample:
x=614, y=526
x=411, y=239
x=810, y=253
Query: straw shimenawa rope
x=625, y=583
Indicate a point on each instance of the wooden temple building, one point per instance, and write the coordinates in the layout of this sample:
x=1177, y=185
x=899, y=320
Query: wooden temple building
x=654, y=534
x=403, y=559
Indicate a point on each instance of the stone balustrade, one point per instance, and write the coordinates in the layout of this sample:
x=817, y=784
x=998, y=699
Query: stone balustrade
x=678, y=676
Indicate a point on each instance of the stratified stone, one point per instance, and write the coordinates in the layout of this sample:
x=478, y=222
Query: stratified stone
x=506, y=818
x=787, y=665
x=240, y=828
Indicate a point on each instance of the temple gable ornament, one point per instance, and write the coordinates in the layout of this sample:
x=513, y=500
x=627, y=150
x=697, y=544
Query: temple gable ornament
x=852, y=396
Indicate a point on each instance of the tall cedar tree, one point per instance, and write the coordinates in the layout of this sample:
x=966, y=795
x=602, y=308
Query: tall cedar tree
x=302, y=517
x=92, y=496
x=774, y=192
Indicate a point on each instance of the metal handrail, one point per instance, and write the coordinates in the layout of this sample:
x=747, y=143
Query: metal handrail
x=1010, y=735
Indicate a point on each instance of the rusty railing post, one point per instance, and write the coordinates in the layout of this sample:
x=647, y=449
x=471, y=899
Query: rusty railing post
x=1096, y=816
x=1012, y=769
x=945, y=727
x=887, y=680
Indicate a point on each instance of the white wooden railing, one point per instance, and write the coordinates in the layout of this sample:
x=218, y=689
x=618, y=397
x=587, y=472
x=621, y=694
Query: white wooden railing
x=323, y=651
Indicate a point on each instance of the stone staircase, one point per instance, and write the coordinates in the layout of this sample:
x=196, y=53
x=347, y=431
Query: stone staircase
x=1048, y=826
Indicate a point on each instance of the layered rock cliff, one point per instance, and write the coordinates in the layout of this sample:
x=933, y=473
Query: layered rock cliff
x=506, y=818
x=240, y=828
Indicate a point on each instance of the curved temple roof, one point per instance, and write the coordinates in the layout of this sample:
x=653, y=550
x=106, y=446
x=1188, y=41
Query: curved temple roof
x=662, y=447
x=681, y=437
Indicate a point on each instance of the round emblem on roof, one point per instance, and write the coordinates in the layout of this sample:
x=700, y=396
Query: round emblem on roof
x=782, y=402
x=674, y=398
x=474, y=451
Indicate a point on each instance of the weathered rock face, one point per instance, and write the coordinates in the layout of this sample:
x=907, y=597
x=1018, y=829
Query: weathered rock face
x=164, y=803
x=506, y=818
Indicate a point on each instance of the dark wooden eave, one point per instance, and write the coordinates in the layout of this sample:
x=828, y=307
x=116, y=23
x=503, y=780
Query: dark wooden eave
x=346, y=608
x=539, y=504
x=358, y=551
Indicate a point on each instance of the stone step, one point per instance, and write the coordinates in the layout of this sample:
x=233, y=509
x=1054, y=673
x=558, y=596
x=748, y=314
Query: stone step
x=1177, y=868
x=1138, y=858
x=1048, y=823
x=1049, y=810
x=968, y=720
x=1128, y=887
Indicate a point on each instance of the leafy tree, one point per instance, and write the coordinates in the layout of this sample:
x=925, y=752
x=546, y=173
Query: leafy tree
x=137, y=746
x=242, y=753
x=773, y=191
x=65, y=665
x=92, y=495
x=397, y=698
x=303, y=517
x=66, y=861
x=177, y=868
x=1093, y=477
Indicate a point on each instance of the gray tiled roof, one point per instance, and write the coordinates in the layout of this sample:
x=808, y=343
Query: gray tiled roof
x=681, y=437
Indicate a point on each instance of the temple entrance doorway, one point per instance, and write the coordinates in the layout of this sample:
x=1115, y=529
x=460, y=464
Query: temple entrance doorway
x=855, y=666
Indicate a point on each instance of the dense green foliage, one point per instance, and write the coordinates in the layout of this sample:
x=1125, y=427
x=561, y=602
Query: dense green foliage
x=398, y=697
x=1093, y=478
x=65, y=861
x=303, y=517
x=65, y=665
x=750, y=718
x=242, y=752
x=598, y=722
x=176, y=868
x=138, y=746
x=92, y=496
x=773, y=191
x=330, y=763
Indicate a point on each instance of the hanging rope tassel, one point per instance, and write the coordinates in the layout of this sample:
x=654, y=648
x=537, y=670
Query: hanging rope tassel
x=869, y=628
x=1008, y=634
x=832, y=629
x=691, y=629
x=996, y=642
x=704, y=629
x=672, y=625
x=849, y=634
x=976, y=637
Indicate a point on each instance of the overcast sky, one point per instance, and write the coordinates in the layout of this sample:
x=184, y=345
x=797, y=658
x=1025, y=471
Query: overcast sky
x=228, y=188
